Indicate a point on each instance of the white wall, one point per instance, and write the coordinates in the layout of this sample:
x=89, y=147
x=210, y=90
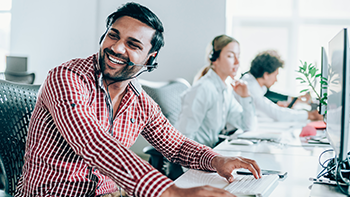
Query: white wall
x=55, y=31
x=52, y=32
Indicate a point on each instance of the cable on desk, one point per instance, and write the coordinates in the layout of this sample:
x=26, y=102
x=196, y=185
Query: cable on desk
x=335, y=170
x=345, y=163
x=325, y=165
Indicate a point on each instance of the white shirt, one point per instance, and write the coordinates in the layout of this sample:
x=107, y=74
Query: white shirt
x=271, y=109
x=208, y=105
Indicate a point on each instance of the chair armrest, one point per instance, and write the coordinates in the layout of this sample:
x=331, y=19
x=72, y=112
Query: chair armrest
x=151, y=151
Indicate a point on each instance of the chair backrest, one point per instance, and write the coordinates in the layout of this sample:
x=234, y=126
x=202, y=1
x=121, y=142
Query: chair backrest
x=167, y=95
x=27, y=78
x=17, y=102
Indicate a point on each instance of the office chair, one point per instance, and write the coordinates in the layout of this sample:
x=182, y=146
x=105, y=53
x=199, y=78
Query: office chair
x=167, y=96
x=17, y=102
x=20, y=77
x=16, y=70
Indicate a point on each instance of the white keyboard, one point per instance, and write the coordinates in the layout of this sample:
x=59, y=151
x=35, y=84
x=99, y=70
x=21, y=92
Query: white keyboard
x=247, y=185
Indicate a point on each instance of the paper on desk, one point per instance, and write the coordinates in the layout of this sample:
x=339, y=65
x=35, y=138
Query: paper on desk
x=195, y=178
x=262, y=135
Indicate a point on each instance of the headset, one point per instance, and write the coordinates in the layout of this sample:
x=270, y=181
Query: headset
x=150, y=65
x=214, y=54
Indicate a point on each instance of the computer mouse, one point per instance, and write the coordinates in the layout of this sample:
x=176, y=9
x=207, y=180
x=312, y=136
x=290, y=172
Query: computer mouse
x=240, y=142
x=308, y=131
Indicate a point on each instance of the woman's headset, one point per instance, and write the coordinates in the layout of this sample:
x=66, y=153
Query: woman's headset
x=214, y=54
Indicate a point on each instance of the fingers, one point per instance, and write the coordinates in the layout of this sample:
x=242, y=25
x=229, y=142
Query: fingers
x=251, y=165
x=240, y=162
x=241, y=88
x=255, y=167
x=238, y=83
x=314, y=115
x=230, y=178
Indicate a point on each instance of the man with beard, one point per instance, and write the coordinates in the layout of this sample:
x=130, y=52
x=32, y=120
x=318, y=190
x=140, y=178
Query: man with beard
x=90, y=111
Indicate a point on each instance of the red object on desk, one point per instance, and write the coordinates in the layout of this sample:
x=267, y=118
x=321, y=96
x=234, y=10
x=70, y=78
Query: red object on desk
x=308, y=131
x=318, y=124
x=311, y=128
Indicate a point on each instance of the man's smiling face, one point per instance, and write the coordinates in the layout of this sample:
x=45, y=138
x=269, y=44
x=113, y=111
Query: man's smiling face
x=128, y=39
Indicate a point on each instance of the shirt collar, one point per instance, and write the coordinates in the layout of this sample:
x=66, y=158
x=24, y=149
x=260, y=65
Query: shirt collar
x=251, y=79
x=219, y=84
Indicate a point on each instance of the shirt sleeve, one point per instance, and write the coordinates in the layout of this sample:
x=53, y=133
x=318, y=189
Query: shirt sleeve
x=66, y=96
x=276, y=112
x=195, y=104
x=268, y=107
x=175, y=146
x=244, y=119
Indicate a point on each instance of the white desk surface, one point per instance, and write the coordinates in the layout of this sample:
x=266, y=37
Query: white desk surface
x=301, y=163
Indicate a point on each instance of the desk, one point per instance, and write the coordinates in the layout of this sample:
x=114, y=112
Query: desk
x=298, y=159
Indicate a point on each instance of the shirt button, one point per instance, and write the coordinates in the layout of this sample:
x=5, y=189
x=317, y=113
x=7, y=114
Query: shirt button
x=132, y=120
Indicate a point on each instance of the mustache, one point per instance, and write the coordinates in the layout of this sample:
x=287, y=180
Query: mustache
x=111, y=52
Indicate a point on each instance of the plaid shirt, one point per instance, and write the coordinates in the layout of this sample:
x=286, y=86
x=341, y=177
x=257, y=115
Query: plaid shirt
x=71, y=150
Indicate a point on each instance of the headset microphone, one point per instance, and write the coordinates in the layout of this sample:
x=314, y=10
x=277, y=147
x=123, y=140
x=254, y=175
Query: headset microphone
x=150, y=65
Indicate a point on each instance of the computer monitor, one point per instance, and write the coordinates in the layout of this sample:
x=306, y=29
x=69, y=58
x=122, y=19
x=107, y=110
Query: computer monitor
x=338, y=107
x=16, y=64
x=324, y=75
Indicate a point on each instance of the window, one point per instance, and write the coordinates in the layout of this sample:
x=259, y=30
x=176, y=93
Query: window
x=5, y=27
x=297, y=29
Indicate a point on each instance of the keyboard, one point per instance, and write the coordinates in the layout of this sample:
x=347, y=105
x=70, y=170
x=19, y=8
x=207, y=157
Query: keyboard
x=247, y=185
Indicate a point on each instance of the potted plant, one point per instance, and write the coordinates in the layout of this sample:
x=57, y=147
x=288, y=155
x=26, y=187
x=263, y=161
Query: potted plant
x=310, y=76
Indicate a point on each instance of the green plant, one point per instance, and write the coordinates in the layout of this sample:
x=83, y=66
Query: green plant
x=309, y=76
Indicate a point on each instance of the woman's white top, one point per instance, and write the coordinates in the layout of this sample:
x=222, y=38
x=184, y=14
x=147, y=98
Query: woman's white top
x=208, y=105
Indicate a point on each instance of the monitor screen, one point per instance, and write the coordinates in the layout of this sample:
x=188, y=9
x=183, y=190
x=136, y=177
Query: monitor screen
x=324, y=75
x=16, y=64
x=338, y=95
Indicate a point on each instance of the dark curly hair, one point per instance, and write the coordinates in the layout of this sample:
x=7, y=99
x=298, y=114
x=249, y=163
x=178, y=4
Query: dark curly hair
x=142, y=14
x=267, y=61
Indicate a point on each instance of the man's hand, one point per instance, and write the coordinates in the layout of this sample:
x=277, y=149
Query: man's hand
x=225, y=165
x=283, y=103
x=240, y=87
x=202, y=191
x=314, y=115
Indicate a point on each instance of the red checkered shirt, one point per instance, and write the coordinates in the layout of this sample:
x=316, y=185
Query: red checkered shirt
x=70, y=150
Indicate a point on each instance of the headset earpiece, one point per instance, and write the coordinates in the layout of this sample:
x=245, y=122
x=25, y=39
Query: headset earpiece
x=151, y=60
x=214, y=55
x=151, y=63
x=103, y=36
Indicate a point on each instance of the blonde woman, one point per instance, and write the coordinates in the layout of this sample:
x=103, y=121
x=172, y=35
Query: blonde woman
x=210, y=103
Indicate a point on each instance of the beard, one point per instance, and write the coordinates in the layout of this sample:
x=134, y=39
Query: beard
x=127, y=72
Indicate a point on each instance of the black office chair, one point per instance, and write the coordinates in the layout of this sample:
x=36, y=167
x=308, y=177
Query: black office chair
x=167, y=95
x=17, y=102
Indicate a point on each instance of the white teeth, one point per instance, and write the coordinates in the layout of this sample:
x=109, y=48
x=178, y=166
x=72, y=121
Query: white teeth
x=115, y=60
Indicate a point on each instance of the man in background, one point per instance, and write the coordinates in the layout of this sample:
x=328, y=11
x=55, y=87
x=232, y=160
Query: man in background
x=261, y=76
